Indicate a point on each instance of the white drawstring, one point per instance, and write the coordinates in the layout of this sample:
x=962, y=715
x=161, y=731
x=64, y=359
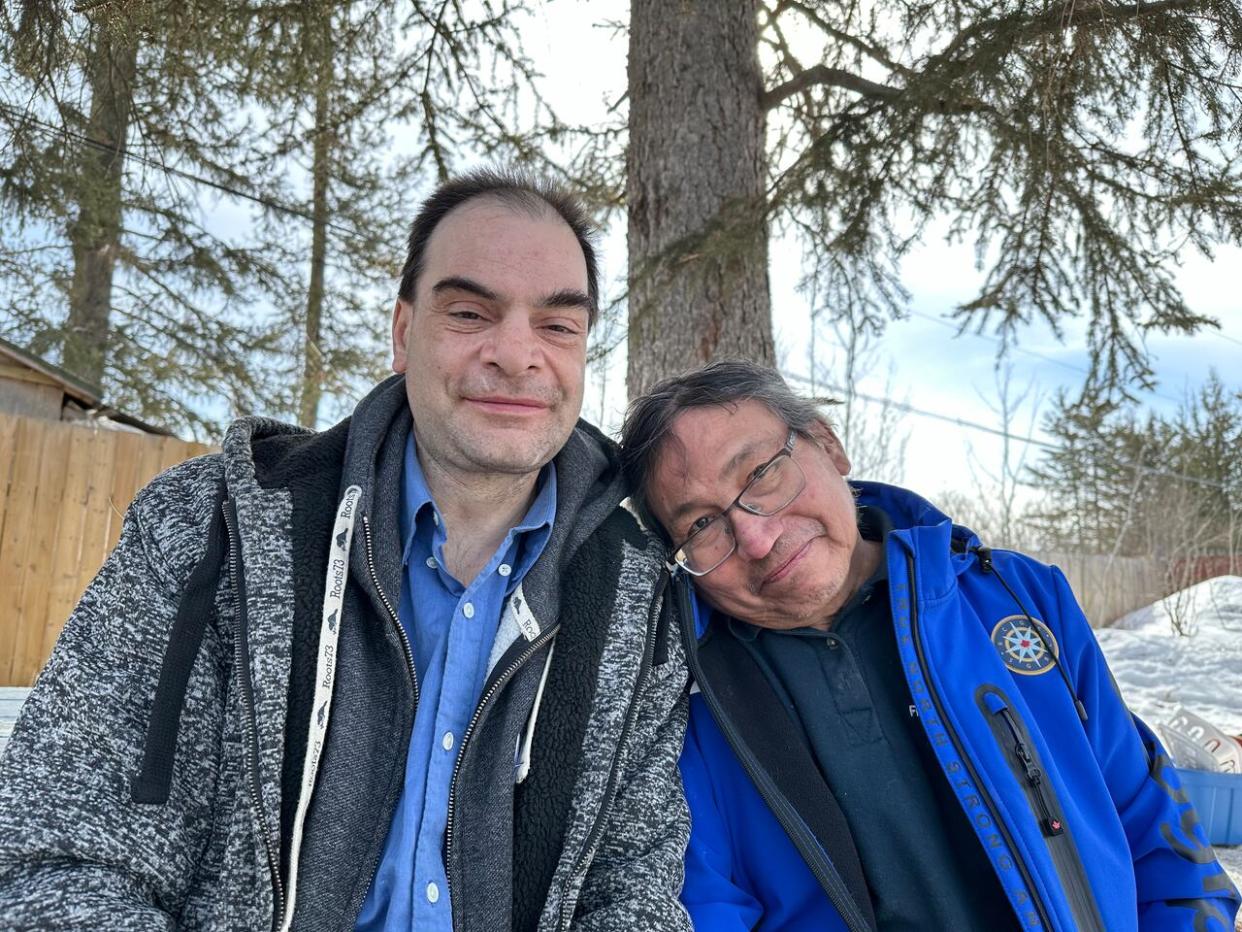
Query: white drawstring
x=523, y=761
x=325, y=679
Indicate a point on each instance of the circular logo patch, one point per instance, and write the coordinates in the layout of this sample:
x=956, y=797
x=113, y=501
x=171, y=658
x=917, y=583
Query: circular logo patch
x=1025, y=644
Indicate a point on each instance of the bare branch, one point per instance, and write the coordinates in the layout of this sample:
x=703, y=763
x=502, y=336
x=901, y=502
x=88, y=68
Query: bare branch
x=824, y=76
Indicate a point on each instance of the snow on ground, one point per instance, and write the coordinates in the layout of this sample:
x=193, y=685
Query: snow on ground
x=1159, y=669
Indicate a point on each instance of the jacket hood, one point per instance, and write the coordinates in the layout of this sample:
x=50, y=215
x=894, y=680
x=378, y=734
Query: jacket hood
x=589, y=478
x=588, y=472
x=914, y=514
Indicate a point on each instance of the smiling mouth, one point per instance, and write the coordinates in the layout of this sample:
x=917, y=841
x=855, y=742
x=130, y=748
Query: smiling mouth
x=497, y=405
x=788, y=566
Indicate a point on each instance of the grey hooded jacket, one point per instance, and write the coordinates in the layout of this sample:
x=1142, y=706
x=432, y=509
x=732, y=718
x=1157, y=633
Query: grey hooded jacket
x=152, y=777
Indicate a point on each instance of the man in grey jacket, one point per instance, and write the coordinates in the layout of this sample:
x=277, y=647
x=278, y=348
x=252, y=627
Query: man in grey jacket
x=413, y=671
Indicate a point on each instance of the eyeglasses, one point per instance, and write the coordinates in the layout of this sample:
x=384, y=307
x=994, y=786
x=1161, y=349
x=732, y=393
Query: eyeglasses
x=771, y=487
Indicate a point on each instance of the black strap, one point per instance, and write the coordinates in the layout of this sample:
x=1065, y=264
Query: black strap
x=764, y=726
x=195, y=610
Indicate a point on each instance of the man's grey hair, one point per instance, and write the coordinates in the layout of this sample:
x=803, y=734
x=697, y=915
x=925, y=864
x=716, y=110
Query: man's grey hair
x=650, y=417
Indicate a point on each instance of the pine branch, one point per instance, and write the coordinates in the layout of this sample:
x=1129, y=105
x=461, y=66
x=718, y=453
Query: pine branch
x=1021, y=27
x=870, y=49
x=825, y=76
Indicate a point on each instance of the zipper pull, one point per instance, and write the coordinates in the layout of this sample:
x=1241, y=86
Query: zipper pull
x=1050, y=824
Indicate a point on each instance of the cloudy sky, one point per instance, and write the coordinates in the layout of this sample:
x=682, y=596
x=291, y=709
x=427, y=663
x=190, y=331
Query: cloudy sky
x=919, y=361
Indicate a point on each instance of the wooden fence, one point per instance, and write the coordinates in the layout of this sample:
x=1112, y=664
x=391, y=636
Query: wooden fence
x=1109, y=587
x=64, y=488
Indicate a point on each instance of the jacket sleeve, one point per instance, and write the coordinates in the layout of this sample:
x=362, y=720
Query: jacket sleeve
x=636, y=875
x=75, y=851
x=1180, y=884
x=713, y=900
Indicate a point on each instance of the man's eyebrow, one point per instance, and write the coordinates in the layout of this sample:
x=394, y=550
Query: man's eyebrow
x=459, y=283
x=747, y=452
x=567, y=297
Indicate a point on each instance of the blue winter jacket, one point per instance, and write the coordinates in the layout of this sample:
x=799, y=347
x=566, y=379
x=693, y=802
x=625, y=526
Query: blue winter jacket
x=1083, y=819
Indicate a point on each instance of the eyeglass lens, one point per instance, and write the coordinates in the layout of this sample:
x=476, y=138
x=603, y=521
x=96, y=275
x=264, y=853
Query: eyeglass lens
x=769, y=492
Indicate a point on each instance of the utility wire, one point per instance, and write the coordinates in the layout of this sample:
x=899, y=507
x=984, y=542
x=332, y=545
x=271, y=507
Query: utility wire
x=986, y=428
x=1052, y=360
x=260, y=199
x=279, y=207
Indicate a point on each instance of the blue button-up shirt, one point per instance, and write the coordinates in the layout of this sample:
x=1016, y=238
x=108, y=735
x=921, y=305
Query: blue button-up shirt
x=452, y=629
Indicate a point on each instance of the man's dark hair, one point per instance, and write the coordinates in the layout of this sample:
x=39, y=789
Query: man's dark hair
x=516, y=188
x=650, y=416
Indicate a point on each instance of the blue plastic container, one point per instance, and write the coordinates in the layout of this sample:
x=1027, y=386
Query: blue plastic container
x=1217, y=798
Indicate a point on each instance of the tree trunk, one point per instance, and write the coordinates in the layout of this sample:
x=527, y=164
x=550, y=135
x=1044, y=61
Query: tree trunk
x=695, y=173
x=312, y=356
x=95, y=235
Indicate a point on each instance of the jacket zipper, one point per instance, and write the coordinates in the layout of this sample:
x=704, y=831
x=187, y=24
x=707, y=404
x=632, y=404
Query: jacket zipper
x=829, y=880
x=595, y=835
x=405, y=647
x=1049, y=824
x=241, y=662
x=392, y=613
x=531, y=649
x=1043, y=802
x=982, y=792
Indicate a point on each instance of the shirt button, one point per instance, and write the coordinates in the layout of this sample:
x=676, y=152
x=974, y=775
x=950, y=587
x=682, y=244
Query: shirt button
x=431, y=563
x=505, y=569
x=448, y=741
x=433, y=893
x=468, y=609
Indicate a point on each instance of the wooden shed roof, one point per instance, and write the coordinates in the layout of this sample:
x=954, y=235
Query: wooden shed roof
x=87, y=396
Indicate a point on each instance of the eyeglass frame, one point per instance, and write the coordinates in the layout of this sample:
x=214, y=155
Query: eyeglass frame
x=673, y=562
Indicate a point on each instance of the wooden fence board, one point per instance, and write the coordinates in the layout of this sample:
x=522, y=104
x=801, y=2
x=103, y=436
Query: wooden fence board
x=67, y=551
x=32, y=604
x=15, y=545
x=8, y=453
x=98, y=519
x=64, y=489
x=125, y=481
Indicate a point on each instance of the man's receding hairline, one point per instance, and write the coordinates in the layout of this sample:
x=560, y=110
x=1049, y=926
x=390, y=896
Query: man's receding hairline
x=515, y=200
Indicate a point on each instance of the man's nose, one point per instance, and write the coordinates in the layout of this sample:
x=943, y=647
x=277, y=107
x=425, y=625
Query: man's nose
x=513, y=346
x=755, y=534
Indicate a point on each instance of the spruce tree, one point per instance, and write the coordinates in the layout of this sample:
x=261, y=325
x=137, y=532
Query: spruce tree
x=206, y=203
x=1077, y=146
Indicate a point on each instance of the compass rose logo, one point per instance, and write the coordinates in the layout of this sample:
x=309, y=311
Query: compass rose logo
x=1024, y=644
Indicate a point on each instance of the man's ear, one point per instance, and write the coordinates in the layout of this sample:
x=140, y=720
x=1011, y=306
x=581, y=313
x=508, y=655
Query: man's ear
x=401, y=313
x=827, y=440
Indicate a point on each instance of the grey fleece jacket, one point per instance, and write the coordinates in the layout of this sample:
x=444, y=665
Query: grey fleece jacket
x=593, y=838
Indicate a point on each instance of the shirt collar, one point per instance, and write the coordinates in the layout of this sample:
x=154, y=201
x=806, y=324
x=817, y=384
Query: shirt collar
x=415, y=496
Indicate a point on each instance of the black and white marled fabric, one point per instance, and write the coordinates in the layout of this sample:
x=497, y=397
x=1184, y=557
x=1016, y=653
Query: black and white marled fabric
x=594, y=852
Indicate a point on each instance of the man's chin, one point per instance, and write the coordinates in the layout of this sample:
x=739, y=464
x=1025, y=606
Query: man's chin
x=516, y=459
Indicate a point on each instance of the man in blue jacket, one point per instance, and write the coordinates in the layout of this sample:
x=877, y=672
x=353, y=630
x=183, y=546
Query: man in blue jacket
x=892, y=726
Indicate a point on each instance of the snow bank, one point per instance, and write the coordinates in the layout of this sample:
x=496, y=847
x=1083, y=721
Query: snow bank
x=1158, y=669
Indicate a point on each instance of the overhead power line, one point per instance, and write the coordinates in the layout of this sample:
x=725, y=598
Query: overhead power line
x=1051, y=360
x=969, y=424
x=261, y=199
